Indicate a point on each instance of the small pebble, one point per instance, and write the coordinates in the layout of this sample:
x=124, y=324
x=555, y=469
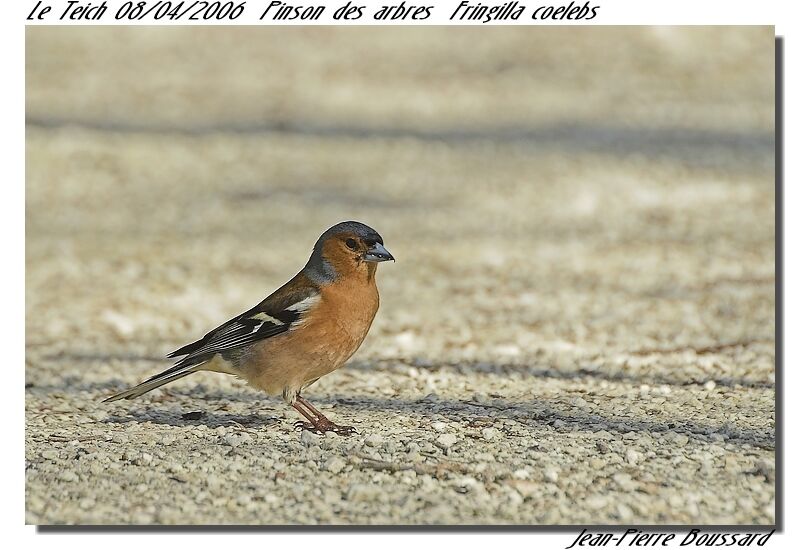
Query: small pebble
x=236, y=439
x=68, y=476
x=335, y=464
x=445, y=441
x=309, y=438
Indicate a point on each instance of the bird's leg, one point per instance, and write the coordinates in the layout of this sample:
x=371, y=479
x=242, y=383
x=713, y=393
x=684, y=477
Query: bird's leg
x=317, y=422
x=300, y=425
x=307, y=404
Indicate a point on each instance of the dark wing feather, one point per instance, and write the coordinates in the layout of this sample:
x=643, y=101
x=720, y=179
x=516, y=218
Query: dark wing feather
x=275, y=315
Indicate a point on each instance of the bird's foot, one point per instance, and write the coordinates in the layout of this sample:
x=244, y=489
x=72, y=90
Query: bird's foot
x=342, y=430
x=322, y=426
x=301, y=426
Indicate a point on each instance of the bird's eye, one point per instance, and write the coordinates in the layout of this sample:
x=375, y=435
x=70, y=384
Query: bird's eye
x=351, y=244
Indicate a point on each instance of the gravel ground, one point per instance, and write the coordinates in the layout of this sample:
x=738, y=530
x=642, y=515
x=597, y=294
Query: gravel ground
x=579, y=327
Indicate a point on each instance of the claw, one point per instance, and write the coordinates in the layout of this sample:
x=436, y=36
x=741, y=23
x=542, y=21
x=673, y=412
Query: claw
x=300, y=426
x=344, y=430
x=322, y=428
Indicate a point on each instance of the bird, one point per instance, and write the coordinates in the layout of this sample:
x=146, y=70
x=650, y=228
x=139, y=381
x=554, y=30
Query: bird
x=307, y=328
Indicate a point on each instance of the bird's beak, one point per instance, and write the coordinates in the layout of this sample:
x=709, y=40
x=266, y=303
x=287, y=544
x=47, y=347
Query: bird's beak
x=378, y=254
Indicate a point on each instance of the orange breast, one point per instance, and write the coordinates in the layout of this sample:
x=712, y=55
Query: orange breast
x=321, y=344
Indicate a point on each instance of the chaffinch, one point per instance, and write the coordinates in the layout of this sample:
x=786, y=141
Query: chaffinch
x=306, y=329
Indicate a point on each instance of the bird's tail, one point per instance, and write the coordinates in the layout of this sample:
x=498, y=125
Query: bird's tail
x=169, y=375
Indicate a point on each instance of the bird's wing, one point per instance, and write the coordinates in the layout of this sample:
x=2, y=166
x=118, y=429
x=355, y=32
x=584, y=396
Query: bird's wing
x=278, y=313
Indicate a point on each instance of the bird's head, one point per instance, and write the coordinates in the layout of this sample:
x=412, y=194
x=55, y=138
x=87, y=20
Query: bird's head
x=348, y=247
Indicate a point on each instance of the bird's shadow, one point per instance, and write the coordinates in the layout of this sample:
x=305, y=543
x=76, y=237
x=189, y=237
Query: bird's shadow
x=527, y=415
x=195, y=417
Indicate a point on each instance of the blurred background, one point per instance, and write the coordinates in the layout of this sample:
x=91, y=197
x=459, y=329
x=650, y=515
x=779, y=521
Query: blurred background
x=537, y=185
x=563, y=200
